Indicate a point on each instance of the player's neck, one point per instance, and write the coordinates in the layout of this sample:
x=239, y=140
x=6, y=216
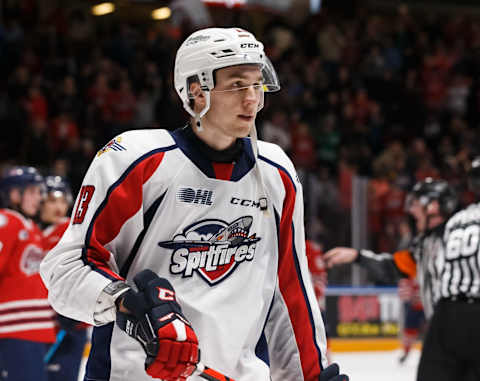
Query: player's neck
x=226, y=155
x=212, y=137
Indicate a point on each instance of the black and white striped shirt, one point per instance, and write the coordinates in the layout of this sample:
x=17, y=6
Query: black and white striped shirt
x=424, y=250
x=460, y=266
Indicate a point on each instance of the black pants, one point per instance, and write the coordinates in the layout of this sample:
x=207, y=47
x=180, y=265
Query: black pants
x=451, y=349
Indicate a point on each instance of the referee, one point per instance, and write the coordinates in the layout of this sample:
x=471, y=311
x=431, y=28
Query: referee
x=430, y=203
x=451, y=348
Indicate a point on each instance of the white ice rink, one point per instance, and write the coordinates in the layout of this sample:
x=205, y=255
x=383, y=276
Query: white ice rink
x=374, y=366
x=377, y=366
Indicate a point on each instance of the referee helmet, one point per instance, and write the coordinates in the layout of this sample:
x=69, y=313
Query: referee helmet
x=428, y=190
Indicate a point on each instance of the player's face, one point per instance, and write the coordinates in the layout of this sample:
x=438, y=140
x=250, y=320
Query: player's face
x=54, y=208
x=234, y=101
x=31, y=199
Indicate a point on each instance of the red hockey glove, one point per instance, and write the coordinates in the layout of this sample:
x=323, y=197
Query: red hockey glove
x=157, y=322
x=330, y=373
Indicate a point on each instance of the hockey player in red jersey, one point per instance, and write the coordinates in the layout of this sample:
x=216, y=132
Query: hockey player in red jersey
x=26, y=319
x=413, y=316
x=64, y=358
x=194, y=239
x=318, y=271
x=53, y=213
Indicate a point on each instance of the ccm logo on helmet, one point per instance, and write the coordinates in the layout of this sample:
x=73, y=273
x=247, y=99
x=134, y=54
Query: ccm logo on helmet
x=249, y=45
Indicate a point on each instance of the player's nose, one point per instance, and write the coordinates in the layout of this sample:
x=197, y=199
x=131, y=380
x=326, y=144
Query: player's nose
x=251, y=94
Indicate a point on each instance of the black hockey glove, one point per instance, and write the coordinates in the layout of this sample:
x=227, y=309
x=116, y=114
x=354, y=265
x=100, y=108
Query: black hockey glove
x=331, y=373
x=157, y=322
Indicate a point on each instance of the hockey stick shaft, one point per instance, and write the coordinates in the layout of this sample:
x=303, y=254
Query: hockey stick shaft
x=210, y=374
x=53, y=349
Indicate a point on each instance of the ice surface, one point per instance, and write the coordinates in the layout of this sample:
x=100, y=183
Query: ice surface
x=370, y=366
x=377, y=366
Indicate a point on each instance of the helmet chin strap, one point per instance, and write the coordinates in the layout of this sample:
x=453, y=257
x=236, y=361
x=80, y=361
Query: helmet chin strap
x=262, y=200
x=198, y=122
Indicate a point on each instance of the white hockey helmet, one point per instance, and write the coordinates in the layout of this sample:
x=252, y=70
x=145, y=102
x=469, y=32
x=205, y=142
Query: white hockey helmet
x=209, y=49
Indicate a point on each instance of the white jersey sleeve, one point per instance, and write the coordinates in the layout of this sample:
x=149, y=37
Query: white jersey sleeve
x=294, y=331
x=89, y=255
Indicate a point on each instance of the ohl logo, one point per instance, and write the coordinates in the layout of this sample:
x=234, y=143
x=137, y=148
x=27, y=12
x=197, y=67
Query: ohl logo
x=212, y=248
x=195, y=196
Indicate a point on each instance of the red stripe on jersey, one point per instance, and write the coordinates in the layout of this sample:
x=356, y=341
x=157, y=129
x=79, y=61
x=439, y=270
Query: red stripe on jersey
x=223, y=171
x=24, y=309
x=122, y=203
x=291, y=289
x=27, y=320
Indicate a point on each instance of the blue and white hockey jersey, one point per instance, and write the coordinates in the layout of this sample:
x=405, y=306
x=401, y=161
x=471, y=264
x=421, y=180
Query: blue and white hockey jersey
x=151, y=200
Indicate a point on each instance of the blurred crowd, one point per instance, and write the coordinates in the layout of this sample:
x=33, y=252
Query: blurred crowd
x=390, y=96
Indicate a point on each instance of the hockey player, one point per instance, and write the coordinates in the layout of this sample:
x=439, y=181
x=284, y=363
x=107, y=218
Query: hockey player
x=318, y=271
x=413, y=316
x=450, y=349
x=208, y=224
x=65, y=358
x=53, y=213
x=26, y=320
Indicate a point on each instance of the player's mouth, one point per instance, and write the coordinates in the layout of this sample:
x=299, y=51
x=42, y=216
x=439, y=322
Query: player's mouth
x=247, y=118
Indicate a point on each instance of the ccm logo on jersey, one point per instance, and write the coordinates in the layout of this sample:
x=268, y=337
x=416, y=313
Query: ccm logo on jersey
x=245, y=202
x=195, y=196
x=212, y=248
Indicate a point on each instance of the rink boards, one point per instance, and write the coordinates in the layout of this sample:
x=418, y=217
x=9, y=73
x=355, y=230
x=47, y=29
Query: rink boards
x=363, y=318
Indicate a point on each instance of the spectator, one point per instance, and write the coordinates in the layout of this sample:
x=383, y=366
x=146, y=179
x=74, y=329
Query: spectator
x=275, y=129
x=358, y=84
x=303, y=148
x=63, y=131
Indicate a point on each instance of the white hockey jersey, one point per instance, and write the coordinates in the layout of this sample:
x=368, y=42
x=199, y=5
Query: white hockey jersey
x=151, y=200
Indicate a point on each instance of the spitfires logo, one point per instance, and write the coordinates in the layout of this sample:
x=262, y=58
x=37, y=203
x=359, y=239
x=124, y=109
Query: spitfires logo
x=212, y=248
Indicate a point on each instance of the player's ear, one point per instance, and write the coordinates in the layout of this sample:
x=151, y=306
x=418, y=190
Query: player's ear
x=199, y=100
x=15, y=196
